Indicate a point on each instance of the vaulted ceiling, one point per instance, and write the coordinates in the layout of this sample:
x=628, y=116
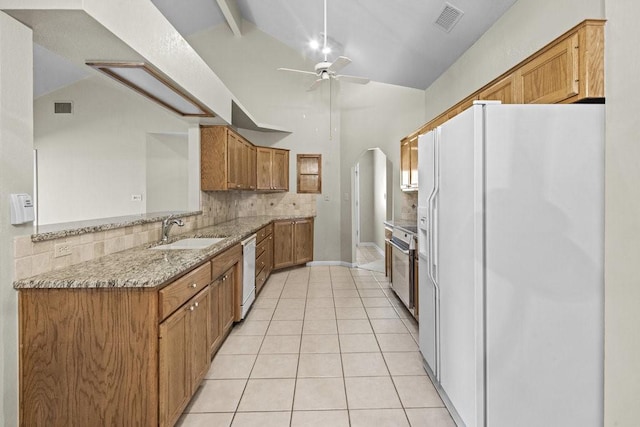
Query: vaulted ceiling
x=390, y=41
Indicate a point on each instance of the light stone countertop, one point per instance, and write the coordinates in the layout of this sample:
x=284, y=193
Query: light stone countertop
x=140, y=267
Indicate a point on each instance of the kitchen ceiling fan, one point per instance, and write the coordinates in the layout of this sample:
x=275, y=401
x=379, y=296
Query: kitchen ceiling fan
x=326, y=70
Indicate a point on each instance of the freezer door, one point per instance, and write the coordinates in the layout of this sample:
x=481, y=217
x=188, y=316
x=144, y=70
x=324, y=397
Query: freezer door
x=544, y=258
x=427, y=293
x=455, y=234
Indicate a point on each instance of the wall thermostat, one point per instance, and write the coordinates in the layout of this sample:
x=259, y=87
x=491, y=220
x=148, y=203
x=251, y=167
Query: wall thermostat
x=22, y=210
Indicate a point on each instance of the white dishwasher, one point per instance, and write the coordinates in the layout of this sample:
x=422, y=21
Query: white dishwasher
x=248, y=273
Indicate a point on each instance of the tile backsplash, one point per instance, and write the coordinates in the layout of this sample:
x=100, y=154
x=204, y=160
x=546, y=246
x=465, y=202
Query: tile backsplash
x=409, y=207
x=32, y=258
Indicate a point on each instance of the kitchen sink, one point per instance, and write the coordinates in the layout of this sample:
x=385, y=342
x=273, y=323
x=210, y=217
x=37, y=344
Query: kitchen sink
x=191, y=243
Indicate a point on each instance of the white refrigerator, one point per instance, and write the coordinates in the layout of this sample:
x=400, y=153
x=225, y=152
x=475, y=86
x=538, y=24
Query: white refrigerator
x=511, y=254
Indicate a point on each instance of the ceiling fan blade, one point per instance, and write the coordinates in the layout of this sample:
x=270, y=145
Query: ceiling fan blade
x=339, y=63
x=296, y=71
x=353, y=79
x=315, y=85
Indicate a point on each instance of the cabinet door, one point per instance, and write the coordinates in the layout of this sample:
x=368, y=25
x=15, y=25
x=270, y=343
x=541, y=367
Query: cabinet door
x=303, y=237
x=405, y=164
x=199, y=325
x=213, y=158
x=282, y=244
x=280, y=170
x=263, y=168
x=413, y=152
x=234, y=160
x=552, y=76
x=215, y=326
x=503, y=91
x=174, y=370
x=227, y=300
x=252, y=167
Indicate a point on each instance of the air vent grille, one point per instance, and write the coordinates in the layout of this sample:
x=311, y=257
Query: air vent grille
x=449, y=17
x=63, y=108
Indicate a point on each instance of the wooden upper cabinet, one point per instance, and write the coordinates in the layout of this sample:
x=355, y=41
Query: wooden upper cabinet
x=405, y=164
x=272, y=169
x=409, y=163
x=413, y=172
x=225, y=160
x=567, y=70
x=503, y=91
x=553, y=76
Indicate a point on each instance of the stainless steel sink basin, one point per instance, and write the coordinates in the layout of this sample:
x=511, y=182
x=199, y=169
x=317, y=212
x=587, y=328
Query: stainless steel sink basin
x=191, y=243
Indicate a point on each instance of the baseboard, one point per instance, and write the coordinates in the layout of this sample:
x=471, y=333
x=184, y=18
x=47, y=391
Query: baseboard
x=329, y=263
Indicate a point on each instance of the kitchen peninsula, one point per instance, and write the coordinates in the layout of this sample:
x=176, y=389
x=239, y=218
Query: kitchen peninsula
x=129, y=336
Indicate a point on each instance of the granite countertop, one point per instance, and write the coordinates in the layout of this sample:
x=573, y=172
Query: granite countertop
x=143, y=268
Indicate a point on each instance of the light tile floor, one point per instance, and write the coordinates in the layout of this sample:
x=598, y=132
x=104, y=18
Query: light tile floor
x=322, y=346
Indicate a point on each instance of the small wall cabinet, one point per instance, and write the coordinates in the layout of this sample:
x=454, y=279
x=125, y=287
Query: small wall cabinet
x=309, y=173
x=272, y=169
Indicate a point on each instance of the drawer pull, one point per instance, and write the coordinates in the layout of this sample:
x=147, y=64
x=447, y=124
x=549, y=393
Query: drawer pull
x=191, y=308
x=196, y=304
x=194, y=285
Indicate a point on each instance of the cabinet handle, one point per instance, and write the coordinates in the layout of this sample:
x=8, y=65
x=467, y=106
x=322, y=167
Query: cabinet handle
x=194, y=285
x=191, y=308
x=196, y=304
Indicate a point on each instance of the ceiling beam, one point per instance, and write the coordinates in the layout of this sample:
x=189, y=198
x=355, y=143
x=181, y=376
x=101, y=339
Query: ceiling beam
x=232, y=14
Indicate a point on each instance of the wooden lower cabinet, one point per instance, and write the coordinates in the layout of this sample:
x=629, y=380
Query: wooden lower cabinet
x=124, y=356
x=292, y=242
x=183, y=355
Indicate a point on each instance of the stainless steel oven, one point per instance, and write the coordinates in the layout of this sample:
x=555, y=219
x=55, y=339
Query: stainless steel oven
x=402, y=266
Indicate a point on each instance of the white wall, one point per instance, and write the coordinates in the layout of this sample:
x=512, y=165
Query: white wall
x=380, y=196
x=92, y=161
x=622, y=215
x=16, y=176
x=167, y=167
x=376, y=115
x=367, y=197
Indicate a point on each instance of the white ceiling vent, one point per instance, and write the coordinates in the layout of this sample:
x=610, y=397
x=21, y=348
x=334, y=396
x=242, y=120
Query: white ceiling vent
x=449, y=17
x=65, y=107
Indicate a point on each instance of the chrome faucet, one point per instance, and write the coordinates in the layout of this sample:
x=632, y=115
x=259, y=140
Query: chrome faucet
x=166, y=226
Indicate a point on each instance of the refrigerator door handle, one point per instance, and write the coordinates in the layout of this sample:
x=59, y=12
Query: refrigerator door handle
x=433, y=232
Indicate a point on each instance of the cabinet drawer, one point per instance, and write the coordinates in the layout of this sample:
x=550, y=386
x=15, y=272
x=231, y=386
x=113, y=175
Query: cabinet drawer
x=260, y=279
x=225, y=260
x=261, y=234
x=177, y=293
x=261, y=262
x=262, y=247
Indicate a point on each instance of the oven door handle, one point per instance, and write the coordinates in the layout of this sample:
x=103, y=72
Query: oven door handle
x=406, y=252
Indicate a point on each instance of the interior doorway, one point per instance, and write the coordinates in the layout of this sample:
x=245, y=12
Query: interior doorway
x=372, y=205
